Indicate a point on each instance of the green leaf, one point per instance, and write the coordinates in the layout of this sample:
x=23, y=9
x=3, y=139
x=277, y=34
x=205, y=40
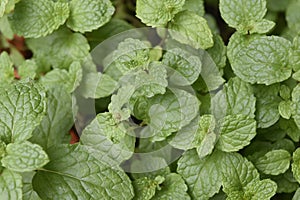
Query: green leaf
x=58, y=120
x=60, y=49
x=260, y=59
x=186, y=67
x=285, y=92
x=246, y=16
x=296, y=195
x=131, y=54
x=103, y=134
x=295, y=56
x=27, y=69
x=33, y=19
x=28, y=192
x=10, y=185
x=157, y=13
x=173, y=187
x=241, y=179
x=267, y=103
x=237, y=98
x=293, y=15
x=194, y=171
x=151, y=81
x=97, y=13
x=2, y=7
x=22, y=108
x=296, y=165
x=218, y=52
x=119, y=103
x=277, y=6
x=97, y=85
x=24, y=157
x=6, y=69
x=170, y=112
x=296, y=101
x=189, y=28
x=285, y=109
x=80, y=175
x=291, y=129
x=236, y=132
x=57, y=77
x=274, y=162
x=5, y=28
x=196, y=6
x=286, y=183
x=144, y=188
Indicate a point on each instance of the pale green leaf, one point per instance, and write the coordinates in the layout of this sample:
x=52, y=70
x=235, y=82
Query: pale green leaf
x=295, y=56
x=267, y=103
x=236, y=132
x=264, y=189
x=296, y=101
x=285, y=109
x=144, y=188
x=186, y=67
x=157, y=13
x=28, y=192
x=246, y=16
x=274, y=162
x=291, y=129
x=189, y=28
x=194, y=171
x=285, y=92
x=10, y=185
x=24, y=157
x=293, y=15
x=22, y=108
x=5, y=28
x=58, y=120
x=74, y=173
x=296, y=195
x=173, y=187
x=97, y=85
x=103, y=134
x=96, y=13
x=2, y=7
x=196, y=6
x=260, y=59
x=6, y=68
x=275, y=5
x=27, y=69
x=60, y=49
x=218, y=52
x=296, y=165
x=33, y=19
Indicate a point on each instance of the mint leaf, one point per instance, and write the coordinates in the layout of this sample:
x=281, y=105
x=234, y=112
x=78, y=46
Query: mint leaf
x=34, y=19
x=157, y=13
x=2, y=7
x=274, y=162
x=105, y=135
x=260, y=59
x=151, y=81
x=144, y=188
x=194, y=171
x=60, y=49
x=97, y=179
x=24, y=157
x=241, y=179
x=6, y=69
x=130, y=55
x=296, y=101
x=97, y=13
x=245, y=16
x=186, y=67
x=291, y=129
x=28, y=192
x=196, y=6
x=173, y=187
x=295, y=57
x=292, y=15
x=286, y=183
x=296, y=165
x=22, y=108
x=267, y=104
x=189, y=28
x=236, y=132
x=70, y=79
x=10, y=185
x=58, y=120
x=237, y=98
x=285, y=109
x=27, y=69
x=296, y=195
x=5, y=27
x=218, y=52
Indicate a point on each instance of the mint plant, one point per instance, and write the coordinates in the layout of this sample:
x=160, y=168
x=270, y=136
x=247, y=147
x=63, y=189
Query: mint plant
x=175, y=99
